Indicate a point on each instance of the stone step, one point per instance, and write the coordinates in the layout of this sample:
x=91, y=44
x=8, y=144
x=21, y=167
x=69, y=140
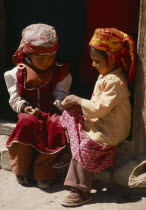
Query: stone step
x=6, y=128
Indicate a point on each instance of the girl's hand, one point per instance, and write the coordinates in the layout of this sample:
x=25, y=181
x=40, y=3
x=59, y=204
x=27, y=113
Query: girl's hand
x=70, y=101
x=32, y=111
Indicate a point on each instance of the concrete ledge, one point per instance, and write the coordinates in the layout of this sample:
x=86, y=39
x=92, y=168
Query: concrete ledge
x=5, y=159
x=121, y=174
x=6, y=127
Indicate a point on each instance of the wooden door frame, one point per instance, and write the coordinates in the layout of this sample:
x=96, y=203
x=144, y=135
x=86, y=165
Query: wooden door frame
x=139, y=112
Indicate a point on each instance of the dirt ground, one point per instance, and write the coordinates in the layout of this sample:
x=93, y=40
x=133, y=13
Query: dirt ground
x=17, y=197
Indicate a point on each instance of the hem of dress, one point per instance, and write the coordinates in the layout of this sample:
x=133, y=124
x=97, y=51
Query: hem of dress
x=7, y=146
x=92, y=171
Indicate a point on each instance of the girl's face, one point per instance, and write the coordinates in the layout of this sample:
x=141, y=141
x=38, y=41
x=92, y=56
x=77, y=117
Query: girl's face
x=100, y=63
x=42, y=62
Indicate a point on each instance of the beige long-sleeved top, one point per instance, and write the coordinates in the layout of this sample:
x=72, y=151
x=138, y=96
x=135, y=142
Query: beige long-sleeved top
x=107, y=116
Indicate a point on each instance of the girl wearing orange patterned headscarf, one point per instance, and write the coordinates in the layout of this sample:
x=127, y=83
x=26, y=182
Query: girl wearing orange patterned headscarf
x=97, y=125
x=36, y=86
x=119, y=47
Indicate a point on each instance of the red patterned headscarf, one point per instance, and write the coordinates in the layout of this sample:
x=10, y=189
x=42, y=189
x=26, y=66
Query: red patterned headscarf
x=118, y=46
x=38, y=39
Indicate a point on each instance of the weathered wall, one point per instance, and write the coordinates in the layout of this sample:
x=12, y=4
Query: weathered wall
x=139, y=120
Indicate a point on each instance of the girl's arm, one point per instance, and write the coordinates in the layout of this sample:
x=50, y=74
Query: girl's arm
x=16, y=102
x=113, y=93
x=61, y=91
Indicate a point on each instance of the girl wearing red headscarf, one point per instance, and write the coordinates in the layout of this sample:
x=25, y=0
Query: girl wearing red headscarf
x=96, y=126
x=36, y=86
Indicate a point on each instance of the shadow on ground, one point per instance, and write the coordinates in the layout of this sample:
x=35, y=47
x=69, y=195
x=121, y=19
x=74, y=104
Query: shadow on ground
x=118, y=194
x=102, y=194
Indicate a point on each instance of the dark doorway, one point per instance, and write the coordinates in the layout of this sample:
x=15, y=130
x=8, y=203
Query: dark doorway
x=67, y=16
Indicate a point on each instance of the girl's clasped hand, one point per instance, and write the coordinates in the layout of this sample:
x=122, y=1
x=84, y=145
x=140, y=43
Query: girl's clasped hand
x=71, y=100
x=32, y=111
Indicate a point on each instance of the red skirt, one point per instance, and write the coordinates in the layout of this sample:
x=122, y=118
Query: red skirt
x=43, y=132
x=91, y=154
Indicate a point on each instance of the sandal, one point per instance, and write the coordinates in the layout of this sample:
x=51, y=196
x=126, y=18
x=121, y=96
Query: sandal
x=76, y=198
x=23, y=180
x=45, y=184
x=62, y=160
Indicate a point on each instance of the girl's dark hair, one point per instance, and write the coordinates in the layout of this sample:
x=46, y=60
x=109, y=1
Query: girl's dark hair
x=102, y=53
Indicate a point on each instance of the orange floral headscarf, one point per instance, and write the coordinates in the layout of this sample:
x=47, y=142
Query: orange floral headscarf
x=117, y=45
x=37, y=39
